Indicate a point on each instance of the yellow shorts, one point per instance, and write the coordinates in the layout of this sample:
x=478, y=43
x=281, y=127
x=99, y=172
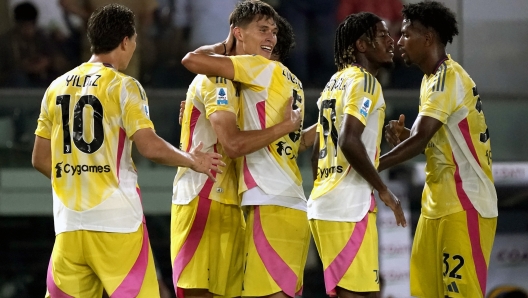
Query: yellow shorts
x=349, y=253
x=84, y=262
x=276, y=248
x=450, y=255
x=207, y=242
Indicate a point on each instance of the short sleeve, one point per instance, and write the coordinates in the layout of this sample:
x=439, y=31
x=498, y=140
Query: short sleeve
x=135, y=108
x=44, y=121
x=359, y=97
x=219, y=94
x=440, y=100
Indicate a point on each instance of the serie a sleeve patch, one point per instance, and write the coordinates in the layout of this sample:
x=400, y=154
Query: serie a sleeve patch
x=221, y=96
x=365, y=107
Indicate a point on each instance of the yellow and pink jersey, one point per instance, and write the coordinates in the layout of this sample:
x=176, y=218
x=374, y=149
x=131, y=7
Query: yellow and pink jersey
x=205, y=96
x=90, y=114
x=340, y=193
x=265, y=90
x=458, y=170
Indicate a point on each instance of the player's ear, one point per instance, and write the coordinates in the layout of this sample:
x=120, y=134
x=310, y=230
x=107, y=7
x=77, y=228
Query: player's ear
x=124, y=43
x=237, y=32
x=361, y=45
x=429, y=37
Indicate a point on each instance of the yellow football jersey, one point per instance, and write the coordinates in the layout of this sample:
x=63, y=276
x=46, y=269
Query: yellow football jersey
x=459, y=160
x=205, y=96
x=340, y=193
x=90, y=114
x=265, y=90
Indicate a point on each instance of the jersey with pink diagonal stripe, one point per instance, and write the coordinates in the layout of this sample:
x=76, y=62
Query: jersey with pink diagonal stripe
x=90, y=114
x=205, y=96
x=459, y=160
x=265, y=88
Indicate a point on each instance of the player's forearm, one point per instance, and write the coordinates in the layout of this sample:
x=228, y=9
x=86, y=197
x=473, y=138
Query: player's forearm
x=356, y=155
x=246, y=142
x=210, y=65
x=161, y=152
x=308, y=137
x=406, y=150
x=405, y=134
x=214, y=49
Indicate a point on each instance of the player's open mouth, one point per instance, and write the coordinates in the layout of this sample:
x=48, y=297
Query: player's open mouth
x=266, y=48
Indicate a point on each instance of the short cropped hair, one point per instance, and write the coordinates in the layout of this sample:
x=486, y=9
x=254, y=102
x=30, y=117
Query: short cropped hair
x=107, y=27
x=245, y=12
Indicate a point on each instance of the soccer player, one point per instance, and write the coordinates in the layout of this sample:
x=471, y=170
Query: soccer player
x=455, y=232
x=207, y=226
x=89, y=118
x=342, y=208
x=277, y=236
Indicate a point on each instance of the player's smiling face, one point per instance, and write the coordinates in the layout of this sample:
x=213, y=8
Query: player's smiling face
x=258, y=37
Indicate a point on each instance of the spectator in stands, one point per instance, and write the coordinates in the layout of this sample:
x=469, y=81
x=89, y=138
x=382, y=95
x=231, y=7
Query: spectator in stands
x=28, y=58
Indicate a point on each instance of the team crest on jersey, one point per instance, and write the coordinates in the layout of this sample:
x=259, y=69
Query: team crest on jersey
x=221, y=97
x=364, y=110
x=146, y=110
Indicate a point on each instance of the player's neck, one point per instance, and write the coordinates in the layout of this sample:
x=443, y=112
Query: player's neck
x=107, y=59
x=367, y=65
x=433, y=61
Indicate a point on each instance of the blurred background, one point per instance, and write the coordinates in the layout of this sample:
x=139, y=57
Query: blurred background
x=41, y=39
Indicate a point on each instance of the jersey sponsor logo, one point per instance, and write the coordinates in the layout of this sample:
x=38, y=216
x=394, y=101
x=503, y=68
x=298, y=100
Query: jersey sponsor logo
x=79, y=169
x=221, y=97
x=364, y=110
x=284, y=149
x=58, y=170
x=325, y=172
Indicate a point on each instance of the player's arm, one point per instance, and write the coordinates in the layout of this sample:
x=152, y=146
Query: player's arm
x=238, y=143
x=308, y=137
x=151, y=146
x=356, y=154
x=41, y=157
x=421, y=133
x=210, y=60
x=315, y=156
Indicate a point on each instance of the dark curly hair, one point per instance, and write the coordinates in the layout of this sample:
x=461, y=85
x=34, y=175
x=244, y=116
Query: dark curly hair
x=245, y=12
x=107, y=27
x=435, y=15
x=285, y=39
x=348, y=32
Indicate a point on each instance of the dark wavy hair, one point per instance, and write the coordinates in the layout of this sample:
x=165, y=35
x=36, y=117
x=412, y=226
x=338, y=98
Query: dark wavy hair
x=435, y=15
x=245, y=12
x=107, y=27
x=348, y=32
x=285, y=39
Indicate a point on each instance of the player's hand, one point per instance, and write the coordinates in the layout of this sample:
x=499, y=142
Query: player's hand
x=204, y=162
x=292, y=116
x=230, y=42
x=394, y=203
x=394, y=129
x=182, y=110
